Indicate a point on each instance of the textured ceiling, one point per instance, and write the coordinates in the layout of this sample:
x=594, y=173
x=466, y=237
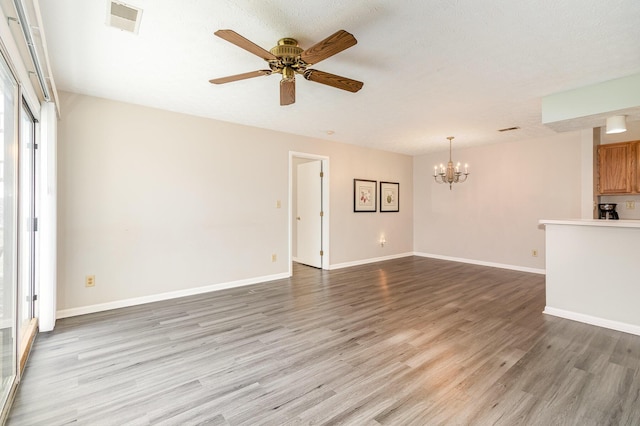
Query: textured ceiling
x=430, y=68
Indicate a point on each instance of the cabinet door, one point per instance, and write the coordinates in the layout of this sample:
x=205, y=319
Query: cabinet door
x=614, y=169
x=635, y=166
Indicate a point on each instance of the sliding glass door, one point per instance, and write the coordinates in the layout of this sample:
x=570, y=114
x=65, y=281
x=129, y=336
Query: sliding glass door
x=26, y=228
x=8, y=229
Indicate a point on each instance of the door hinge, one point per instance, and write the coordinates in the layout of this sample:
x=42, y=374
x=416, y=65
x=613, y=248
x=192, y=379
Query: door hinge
x=321, y=174
x=321, y=214
x=32, y=298
x=321, y=253
x=35, y=224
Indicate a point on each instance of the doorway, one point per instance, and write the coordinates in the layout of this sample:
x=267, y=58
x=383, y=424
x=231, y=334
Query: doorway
x=308, y=210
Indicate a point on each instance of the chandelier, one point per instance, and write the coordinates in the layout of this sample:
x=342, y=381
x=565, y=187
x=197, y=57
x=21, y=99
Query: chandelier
x=451, y=174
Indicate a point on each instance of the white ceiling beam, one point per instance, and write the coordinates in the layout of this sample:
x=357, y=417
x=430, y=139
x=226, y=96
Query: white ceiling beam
x=589, y=106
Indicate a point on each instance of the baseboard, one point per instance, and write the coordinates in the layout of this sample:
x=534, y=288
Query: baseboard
x=483, y=263
x=367, y=261
x=65, y=313
x=26, y=342
x=588, y=319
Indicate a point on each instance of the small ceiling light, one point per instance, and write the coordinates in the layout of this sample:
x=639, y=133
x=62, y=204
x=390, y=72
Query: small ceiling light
x=616, y=124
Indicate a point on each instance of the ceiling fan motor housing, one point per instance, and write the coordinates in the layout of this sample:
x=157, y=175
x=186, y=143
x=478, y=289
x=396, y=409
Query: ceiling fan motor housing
x=287, y=50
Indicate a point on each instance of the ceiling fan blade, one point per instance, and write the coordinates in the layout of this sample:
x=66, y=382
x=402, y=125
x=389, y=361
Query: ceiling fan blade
x=235, y=38
x=331, y=45
x=287, y=91
x=333, y=80
x=237, y=77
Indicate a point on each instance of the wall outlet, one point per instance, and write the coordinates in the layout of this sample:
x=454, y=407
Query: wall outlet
x=90, y=281
x=534, y=253
x=274, y=257
x=631, y=205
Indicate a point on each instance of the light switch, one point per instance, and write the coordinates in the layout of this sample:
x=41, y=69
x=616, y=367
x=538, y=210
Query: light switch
x=278, y=204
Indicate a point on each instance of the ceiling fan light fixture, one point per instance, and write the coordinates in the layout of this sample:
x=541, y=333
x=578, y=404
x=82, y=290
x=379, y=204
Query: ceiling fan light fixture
x=616, y=124
x=288, y=74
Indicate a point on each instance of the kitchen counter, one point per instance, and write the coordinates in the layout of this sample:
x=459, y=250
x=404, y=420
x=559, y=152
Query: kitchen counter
x=594, y=222
x=593, y=272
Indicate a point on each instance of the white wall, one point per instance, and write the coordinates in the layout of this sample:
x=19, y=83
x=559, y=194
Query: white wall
x=588, y=284
x=154, y=202
x=493, y=217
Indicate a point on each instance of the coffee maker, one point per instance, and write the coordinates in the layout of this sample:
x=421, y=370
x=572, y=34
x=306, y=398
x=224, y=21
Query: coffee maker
x=608, y=211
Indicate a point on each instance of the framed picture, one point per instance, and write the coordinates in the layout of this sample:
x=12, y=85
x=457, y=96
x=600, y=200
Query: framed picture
x=389, y=197
x=364, y=195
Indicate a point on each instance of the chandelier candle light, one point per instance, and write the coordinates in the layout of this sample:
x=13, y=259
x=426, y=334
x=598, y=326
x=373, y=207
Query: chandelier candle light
x=451, y=174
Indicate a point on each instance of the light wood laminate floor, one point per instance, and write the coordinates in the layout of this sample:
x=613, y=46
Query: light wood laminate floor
x=411, y=341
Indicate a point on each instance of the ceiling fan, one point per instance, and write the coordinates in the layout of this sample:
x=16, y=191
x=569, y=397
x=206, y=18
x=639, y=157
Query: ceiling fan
x=288, y=59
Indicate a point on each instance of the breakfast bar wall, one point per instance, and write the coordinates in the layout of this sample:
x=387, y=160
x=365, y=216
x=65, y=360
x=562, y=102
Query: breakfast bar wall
x=585, y=286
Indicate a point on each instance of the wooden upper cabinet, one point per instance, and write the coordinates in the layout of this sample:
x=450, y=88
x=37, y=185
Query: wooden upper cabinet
x=635, y=152
x=617, y=168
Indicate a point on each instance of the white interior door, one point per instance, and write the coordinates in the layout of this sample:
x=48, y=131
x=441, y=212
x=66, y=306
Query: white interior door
x=309, y=207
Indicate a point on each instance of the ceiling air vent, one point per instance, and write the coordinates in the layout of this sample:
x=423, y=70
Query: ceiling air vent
x=509, y=129
x=124, y=17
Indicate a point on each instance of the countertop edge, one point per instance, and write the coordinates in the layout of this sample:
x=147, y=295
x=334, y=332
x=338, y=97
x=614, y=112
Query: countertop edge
x=592, y=222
